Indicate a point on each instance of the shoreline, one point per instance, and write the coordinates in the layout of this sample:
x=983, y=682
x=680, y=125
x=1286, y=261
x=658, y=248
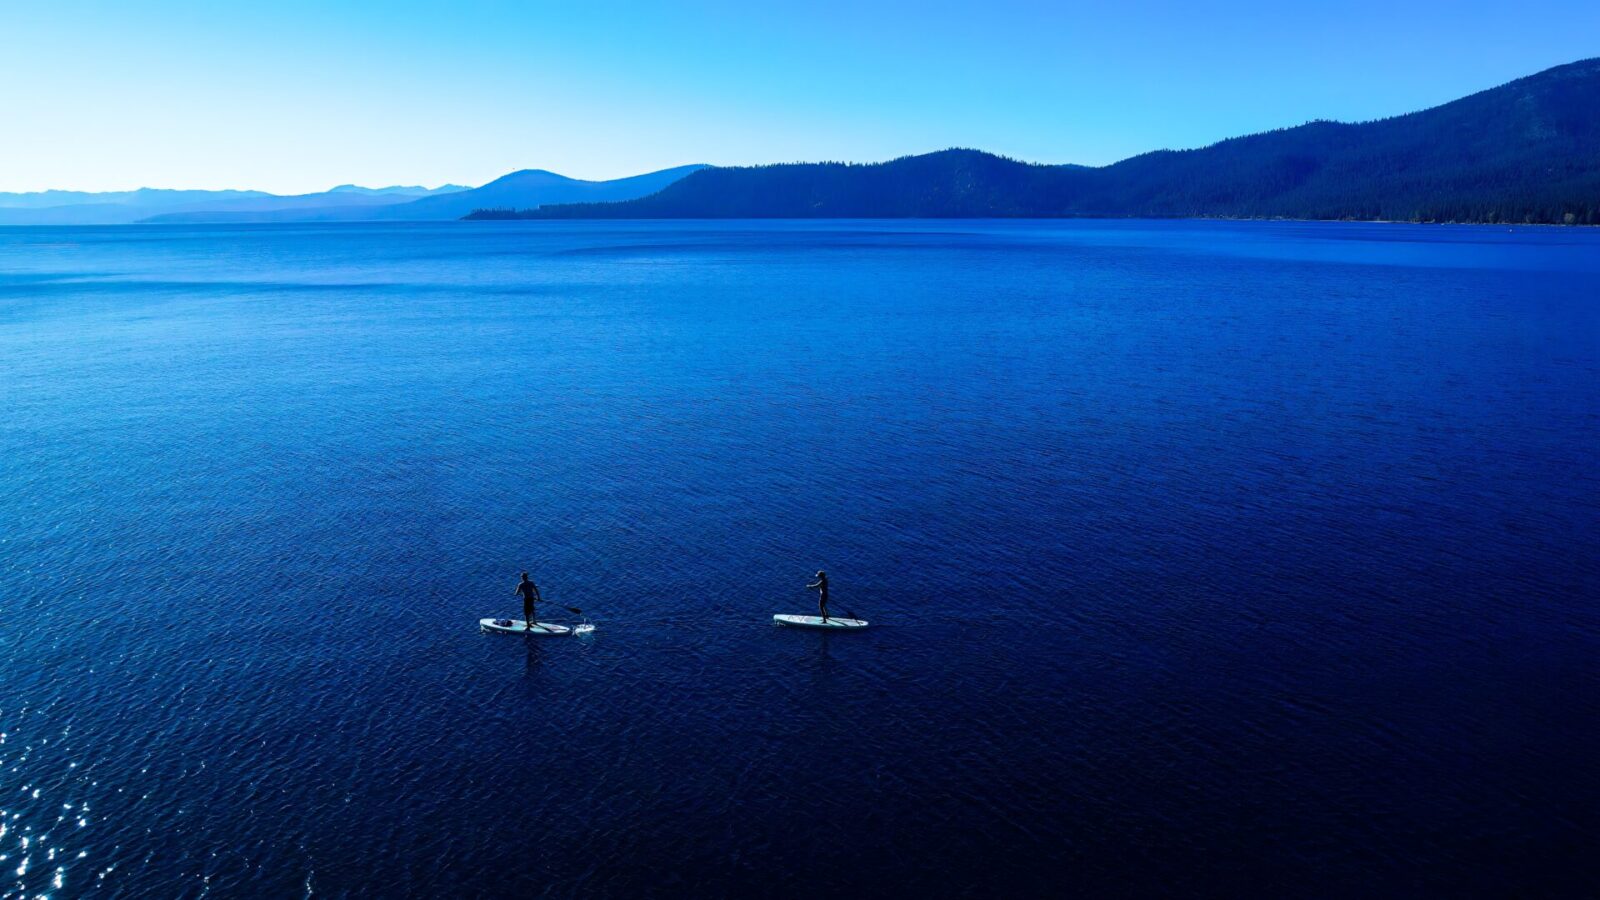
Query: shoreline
x=415, y=222
x=517, y=218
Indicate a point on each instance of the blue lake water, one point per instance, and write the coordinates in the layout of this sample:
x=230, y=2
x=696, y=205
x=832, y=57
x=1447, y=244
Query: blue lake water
x=1203, y=558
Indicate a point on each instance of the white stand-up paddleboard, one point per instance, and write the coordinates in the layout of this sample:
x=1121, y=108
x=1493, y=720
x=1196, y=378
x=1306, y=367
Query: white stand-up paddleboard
x=518, y=626
x=817, y=622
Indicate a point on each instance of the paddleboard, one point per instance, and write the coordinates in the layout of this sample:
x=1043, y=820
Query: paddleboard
x=518, y=626
x=817, y=622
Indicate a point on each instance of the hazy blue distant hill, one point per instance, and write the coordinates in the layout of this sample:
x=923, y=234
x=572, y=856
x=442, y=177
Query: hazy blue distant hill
x=121, y=207
x=85, y=207
x=523, y=189
x=1528, y=151
x=399, y=190
x=531, y=188
x=142, y=196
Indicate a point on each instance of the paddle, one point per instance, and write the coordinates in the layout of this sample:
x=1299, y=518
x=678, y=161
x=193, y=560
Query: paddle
x=847, y=612
x=571, y=609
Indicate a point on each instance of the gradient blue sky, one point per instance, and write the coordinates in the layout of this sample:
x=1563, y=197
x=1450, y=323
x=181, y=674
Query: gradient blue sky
x=293, y=96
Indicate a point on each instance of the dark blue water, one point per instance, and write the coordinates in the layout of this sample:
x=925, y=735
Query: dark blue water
x=1203, y=558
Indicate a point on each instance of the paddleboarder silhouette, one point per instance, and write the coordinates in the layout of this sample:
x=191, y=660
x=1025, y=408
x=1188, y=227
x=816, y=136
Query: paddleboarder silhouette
x=530, y=598
x=821, y=587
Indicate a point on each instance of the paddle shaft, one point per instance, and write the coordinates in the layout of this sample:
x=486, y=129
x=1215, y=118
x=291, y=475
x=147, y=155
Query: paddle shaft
x=571, y=609
x=847, y=611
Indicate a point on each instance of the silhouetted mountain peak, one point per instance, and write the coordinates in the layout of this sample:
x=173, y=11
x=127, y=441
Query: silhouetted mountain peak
x=404, y=190
x=521, y=174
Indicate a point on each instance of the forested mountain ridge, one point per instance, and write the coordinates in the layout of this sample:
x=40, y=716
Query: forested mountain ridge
x=1527, y=151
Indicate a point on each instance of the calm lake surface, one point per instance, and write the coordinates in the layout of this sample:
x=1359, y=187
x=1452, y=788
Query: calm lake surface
x=1203, y=558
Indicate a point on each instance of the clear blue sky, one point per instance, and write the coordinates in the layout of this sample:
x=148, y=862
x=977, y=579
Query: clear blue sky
x=295, y=96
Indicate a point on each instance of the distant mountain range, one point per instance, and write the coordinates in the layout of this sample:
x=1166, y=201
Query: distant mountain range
x=523, y=189
x=123, y=207
x=345, y=203
x=1528, y=151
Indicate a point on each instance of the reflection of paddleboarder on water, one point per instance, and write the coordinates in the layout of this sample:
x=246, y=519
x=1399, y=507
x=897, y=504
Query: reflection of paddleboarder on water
x=530, y=597
x=821, y=587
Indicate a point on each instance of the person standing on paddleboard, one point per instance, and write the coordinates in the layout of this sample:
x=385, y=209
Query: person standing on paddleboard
x=530, y=596
x=821, y=587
